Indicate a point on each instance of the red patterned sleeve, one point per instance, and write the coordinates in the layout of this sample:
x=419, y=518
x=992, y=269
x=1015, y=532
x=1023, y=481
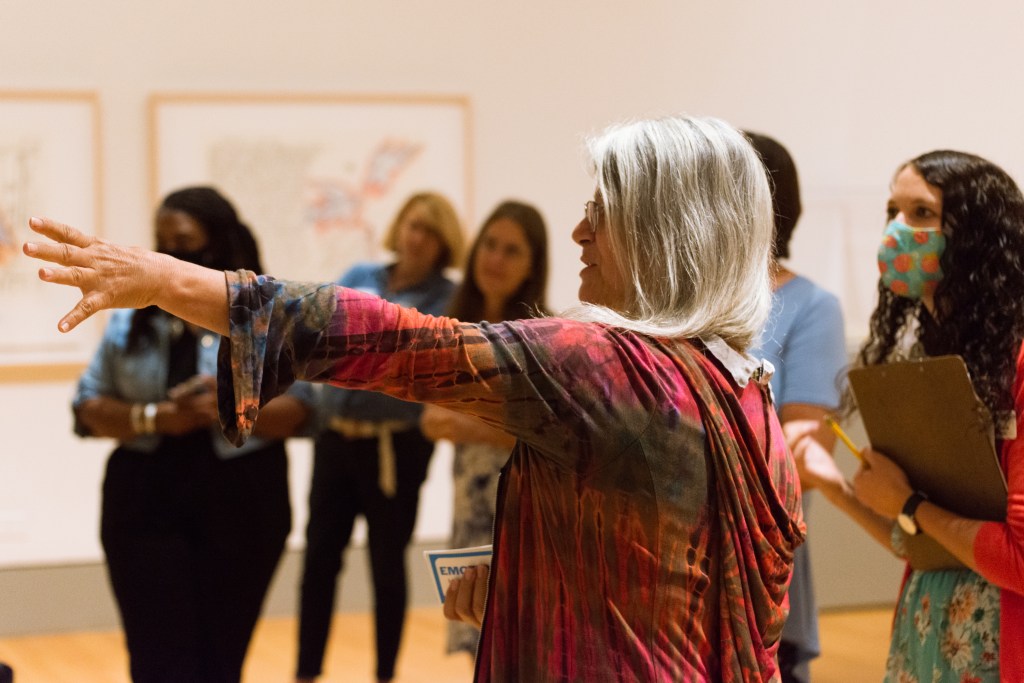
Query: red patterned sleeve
x=551, y=383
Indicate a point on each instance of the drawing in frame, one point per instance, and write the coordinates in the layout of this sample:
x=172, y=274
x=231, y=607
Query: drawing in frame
x=50, y=165
x=317, y=177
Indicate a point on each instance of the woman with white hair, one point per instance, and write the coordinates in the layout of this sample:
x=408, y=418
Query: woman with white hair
x=648, y=514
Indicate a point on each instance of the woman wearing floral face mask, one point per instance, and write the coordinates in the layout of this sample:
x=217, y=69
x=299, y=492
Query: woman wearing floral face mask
x=952, y=282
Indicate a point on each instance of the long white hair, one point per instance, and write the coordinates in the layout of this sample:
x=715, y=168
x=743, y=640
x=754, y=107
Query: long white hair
x=689, y=215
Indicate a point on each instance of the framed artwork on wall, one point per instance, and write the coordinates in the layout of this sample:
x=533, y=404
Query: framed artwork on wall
x=318, y=177
x=50, y=165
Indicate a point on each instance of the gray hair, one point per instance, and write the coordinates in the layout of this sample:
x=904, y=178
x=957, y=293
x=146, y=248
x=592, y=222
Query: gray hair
x=689, y=215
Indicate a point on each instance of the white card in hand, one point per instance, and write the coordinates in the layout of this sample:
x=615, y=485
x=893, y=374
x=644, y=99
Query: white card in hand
x=446, y=565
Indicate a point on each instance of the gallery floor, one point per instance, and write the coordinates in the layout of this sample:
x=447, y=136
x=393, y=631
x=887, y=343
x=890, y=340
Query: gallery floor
x=853, y=642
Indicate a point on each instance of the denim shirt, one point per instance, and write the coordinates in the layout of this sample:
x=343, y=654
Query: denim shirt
x=432, y=297
x=141, y=377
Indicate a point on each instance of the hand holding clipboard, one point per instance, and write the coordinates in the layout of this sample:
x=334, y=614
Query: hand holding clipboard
x=925, y=416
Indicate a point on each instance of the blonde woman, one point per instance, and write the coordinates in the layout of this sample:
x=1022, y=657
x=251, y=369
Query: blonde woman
x=371, y=458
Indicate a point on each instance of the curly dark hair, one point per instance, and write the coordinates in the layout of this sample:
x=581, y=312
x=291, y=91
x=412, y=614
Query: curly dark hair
x=230, y=246
x=528, y=301
x=979, y=303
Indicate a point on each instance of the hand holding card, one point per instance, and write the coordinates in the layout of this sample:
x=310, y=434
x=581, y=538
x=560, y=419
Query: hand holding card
x=446, y=565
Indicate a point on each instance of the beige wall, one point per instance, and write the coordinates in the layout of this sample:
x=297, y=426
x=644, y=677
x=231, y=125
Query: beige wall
x=851, y=88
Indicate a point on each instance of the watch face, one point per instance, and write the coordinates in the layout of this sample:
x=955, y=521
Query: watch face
x=907, y=523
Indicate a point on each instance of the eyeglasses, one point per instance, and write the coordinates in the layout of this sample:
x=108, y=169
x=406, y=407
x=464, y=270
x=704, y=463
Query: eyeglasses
x=592, y=210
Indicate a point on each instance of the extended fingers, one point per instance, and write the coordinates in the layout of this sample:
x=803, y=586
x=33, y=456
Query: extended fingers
x=88, y=305
x=64, y=254
x=60, y=232
x=74, y=276
x=67, y=246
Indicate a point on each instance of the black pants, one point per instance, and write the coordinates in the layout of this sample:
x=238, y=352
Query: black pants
x=192, y=542
x=789, y=661
x=345, y=486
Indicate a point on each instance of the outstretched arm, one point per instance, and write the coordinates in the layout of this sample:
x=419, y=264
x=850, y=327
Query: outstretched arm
x=112, y=276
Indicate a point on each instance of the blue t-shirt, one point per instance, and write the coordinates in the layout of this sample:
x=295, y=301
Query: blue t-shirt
x=805, y=341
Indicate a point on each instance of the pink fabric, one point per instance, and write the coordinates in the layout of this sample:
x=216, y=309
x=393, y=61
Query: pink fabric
x=648, y=514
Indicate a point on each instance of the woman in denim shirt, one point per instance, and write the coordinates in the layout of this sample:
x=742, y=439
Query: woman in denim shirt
x=192, y=527
x=371, y=457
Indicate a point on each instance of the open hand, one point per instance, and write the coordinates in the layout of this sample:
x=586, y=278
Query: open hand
x=108, y=275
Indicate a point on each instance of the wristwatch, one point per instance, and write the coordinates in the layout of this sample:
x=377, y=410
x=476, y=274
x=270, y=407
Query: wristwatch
x=906, y=518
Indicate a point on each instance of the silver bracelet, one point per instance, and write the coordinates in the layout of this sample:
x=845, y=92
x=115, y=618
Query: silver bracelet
x=135, y=418
x=149, y=419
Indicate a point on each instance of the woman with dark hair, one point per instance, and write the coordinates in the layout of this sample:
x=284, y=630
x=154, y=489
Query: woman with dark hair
x=506, y=274
x=514, y=232
x=192, y=527
x=371, y=458
x=804, y=340
x=952, y=282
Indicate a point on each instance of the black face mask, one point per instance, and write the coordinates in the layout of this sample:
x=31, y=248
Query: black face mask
x=200, y=257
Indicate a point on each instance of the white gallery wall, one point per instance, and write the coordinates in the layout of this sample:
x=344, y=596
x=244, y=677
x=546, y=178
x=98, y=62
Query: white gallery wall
x=851, y=88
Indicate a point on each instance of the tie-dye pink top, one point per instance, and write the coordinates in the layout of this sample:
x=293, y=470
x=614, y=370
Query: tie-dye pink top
x=647, y=517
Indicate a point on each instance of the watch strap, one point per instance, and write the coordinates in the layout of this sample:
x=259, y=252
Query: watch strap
x=910, y=507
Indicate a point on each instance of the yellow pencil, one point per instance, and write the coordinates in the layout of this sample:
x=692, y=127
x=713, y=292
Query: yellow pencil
x=842, y=436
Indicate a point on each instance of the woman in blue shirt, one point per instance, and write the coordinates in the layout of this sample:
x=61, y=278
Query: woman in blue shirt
x=192, y=527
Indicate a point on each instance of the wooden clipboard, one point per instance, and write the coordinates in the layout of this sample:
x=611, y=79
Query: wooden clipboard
x=926, y=417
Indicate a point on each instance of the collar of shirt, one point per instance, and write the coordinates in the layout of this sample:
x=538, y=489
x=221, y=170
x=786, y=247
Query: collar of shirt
x=742, y=366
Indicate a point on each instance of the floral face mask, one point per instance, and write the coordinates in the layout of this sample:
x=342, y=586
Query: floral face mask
x=908, y=259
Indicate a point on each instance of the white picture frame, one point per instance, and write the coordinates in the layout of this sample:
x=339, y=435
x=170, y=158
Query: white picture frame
x=50, y=165
x=318, y=178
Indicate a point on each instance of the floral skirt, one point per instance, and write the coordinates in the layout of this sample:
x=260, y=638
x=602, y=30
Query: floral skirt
x=946, y=630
